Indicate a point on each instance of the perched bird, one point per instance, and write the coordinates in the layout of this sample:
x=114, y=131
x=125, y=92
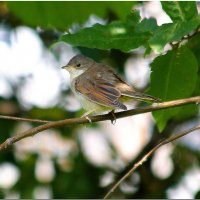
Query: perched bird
x=98, y=87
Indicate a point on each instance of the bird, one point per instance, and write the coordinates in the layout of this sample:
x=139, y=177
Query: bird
x=99, y=88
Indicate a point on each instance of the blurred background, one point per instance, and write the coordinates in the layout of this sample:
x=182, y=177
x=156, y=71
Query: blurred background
x=82, y=161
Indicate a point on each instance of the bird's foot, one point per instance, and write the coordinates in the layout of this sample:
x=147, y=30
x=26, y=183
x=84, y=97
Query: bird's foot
x=113, y=121
x=87, y=117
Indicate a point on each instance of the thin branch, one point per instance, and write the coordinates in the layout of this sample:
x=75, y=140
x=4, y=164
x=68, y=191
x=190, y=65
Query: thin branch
x=109, y=116
x=146, y=156
x=23, y=119
x=175, y=45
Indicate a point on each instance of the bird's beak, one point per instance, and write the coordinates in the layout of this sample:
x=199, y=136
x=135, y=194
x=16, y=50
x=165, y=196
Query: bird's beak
x=68, y=67
x=63, y=67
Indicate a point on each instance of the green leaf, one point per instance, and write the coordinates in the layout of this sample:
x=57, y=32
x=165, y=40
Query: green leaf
x=197, y=195
x=186, y=112
x=62, y=14
x=116, y=35
x=171, y=32
x=180, y=10
x=173, y=76
x=146, y=25
x=193, y=45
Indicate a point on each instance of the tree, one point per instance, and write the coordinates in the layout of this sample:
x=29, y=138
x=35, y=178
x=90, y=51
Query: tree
x=121, y=33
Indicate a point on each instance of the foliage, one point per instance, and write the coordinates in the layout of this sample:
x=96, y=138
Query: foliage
x=180, y=11
x=62, y=15
x=175, y=74
x=159, y=37
x=116, y=35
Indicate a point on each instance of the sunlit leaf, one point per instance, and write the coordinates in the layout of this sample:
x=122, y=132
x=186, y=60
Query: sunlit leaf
x=180, y=10
x=171, y=32
x=116, y=35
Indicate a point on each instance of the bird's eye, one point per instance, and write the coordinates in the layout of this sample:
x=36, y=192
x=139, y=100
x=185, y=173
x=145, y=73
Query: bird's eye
x=78, y=65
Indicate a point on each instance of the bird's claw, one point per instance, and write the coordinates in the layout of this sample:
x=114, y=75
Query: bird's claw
x=90, y=121
x=113, y=121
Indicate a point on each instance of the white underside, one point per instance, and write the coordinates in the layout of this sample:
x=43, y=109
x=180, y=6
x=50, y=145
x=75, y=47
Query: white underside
x=88, y=105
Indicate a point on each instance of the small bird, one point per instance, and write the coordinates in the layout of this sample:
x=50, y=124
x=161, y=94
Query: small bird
x=98, y=87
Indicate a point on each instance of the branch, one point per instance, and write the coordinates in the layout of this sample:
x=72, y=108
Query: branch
x=23, y=119
x=175, y=45
x=109, y=116
x=146, y=156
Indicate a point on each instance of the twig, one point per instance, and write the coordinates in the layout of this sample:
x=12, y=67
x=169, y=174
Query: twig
x=146, y=156
x=153, y=107
x=23, y=119
x=185, y=37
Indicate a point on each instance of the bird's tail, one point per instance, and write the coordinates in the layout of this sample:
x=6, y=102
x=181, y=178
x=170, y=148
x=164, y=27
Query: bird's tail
x=141, y=96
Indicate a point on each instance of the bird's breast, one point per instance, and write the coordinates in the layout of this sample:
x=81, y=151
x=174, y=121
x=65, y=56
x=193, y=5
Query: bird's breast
x=85, y=102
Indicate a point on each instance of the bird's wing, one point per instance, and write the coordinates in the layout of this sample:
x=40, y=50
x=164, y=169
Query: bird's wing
x=140, y=96
x=99, y=90
x=125, y=89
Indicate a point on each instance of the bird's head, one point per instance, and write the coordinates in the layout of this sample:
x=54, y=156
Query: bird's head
x=78, y=65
